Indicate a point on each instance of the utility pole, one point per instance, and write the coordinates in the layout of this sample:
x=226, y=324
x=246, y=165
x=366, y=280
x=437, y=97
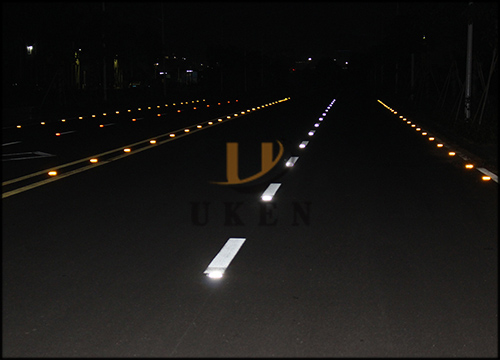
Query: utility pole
x=412, y=83
x=468, y=68
x=164, y=80
x=105, y=95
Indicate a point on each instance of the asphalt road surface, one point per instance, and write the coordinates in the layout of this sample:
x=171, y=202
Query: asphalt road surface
x=377, y=242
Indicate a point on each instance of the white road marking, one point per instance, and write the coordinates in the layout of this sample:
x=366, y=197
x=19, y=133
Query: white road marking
x=221, y=261
x=11, y=143
x=291, y=162
x=270, y=191
x=25, y=156
x=303, y=144
x=493, y=177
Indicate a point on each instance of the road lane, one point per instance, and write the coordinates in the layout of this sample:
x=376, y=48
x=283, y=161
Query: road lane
x=395, y=255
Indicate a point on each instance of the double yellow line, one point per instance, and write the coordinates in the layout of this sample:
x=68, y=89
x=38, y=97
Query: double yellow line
x=122, y=155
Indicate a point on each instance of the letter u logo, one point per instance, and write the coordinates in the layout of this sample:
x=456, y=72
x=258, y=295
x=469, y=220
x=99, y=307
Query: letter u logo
x=267, y=163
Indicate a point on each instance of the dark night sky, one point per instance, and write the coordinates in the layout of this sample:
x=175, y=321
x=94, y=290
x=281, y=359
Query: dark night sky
x=299, y=28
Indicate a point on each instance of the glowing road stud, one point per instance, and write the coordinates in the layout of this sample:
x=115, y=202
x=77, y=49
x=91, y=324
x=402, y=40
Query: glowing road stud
x=291, y=162
x=268, y=194
x=488, y=175
x=221, y=261
x=303, y=144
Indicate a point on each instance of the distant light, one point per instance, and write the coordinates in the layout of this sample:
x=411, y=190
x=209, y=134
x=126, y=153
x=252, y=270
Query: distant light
x=126, y=150
x=18, y=126
x=486, y=178
x=424, y=133
x=43, y=123
x=309, y=59
x=186, y=130
x=58, y=134
x=172, y=135
x=413, y=125
x=189, y=71
x=439, y=145
x=316, y=125
x=310, y=133
x=469, y=166
x=431, y=139
x=198, y=126
x=210, y=123
x=101, y=125
x=52, y=173
x=93, y=160
x=117, y=112
x=152, y=141
x=452, y=153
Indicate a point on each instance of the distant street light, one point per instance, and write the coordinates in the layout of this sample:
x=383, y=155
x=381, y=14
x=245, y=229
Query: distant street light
x=29, y=49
